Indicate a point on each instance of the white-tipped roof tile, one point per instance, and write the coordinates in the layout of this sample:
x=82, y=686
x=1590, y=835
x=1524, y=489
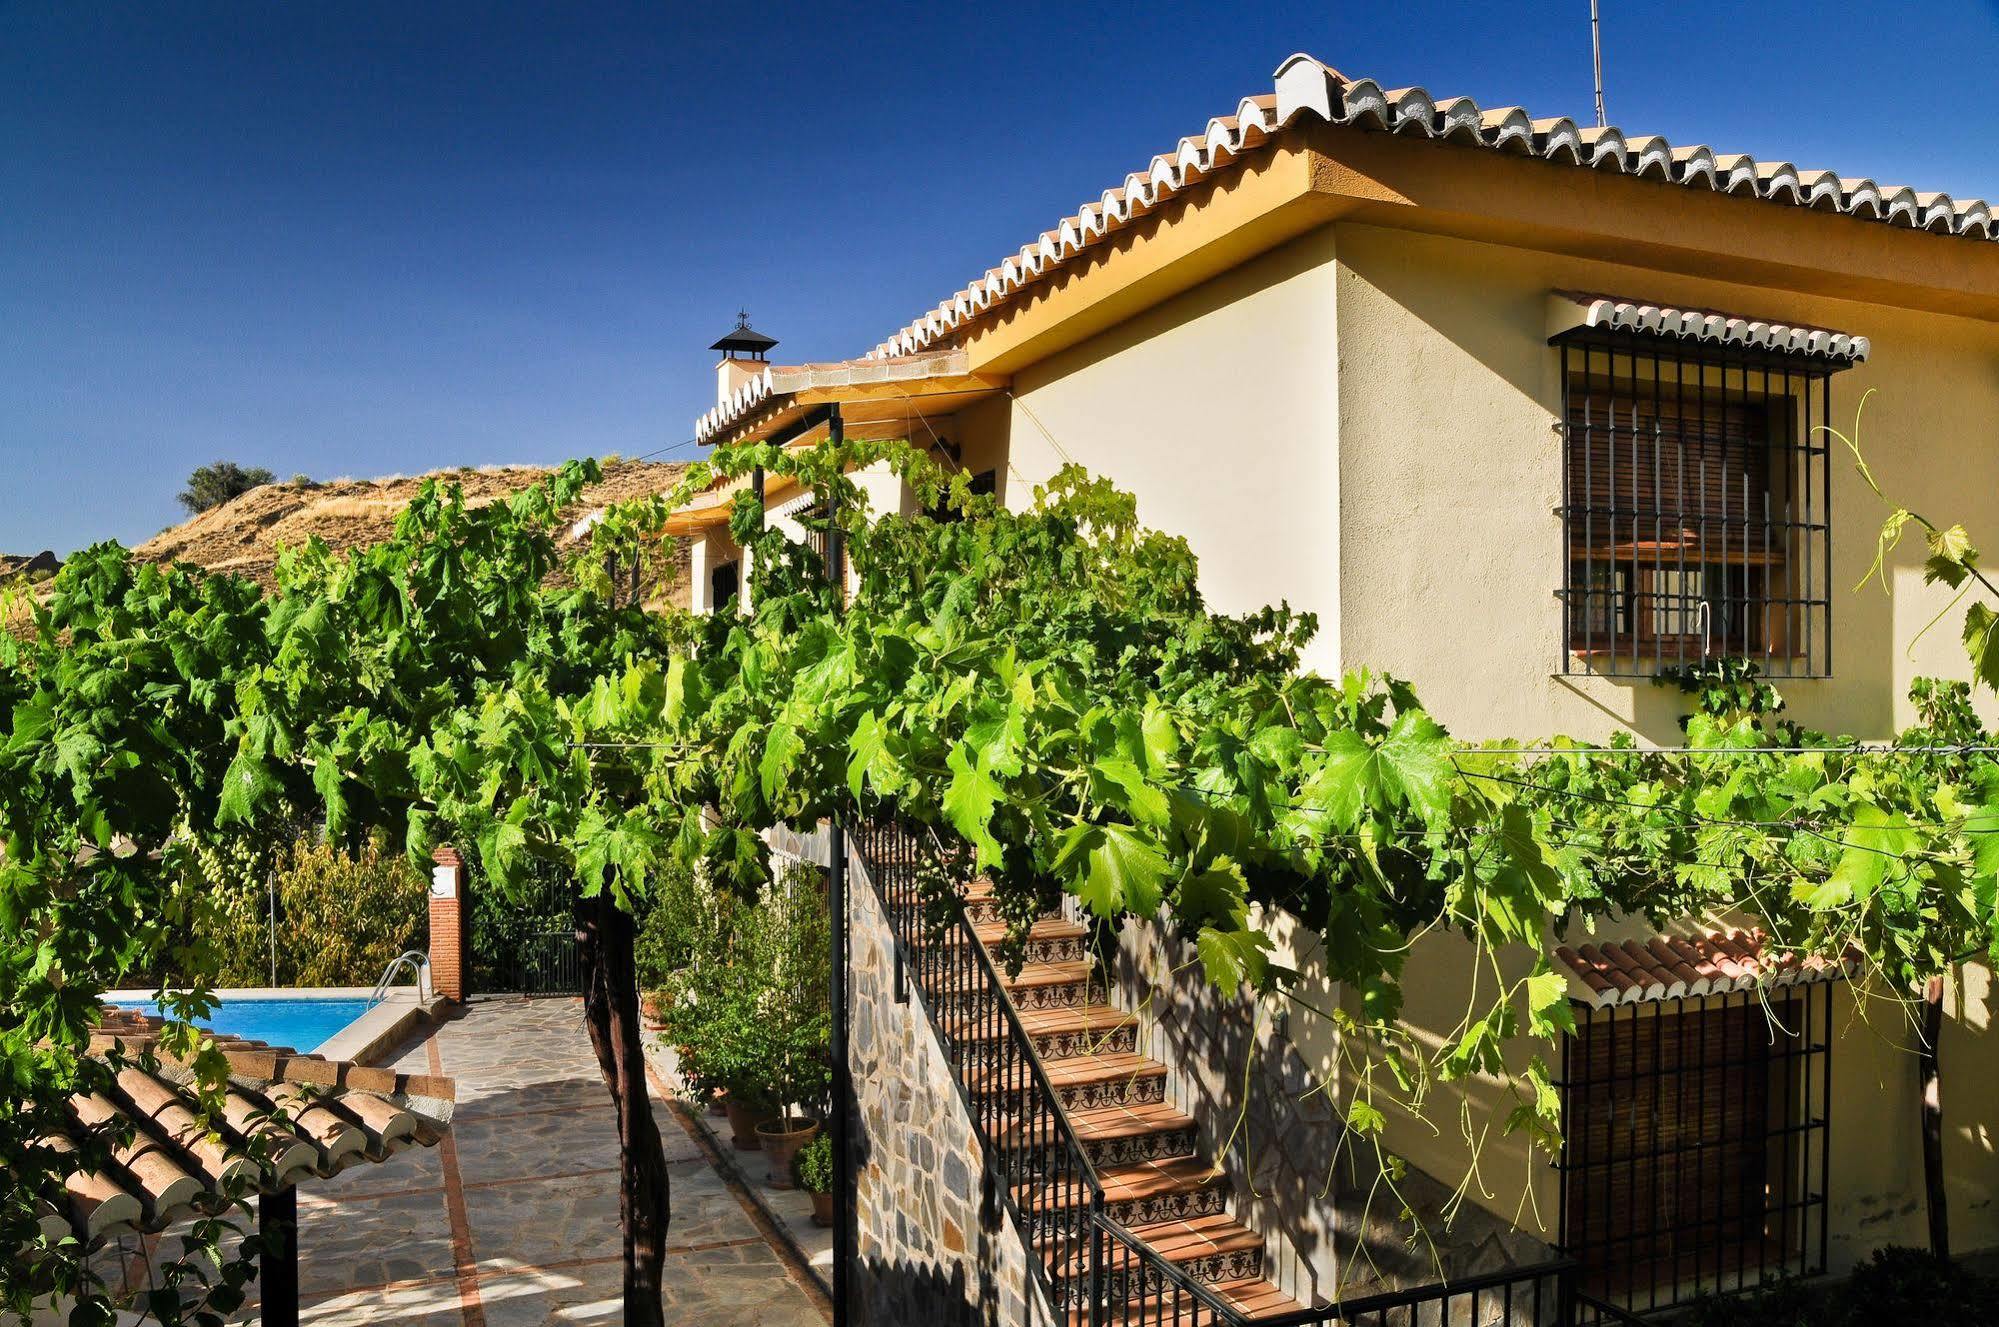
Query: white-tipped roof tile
x=1672, y=967
x=1610, y=313
x=1307, y=91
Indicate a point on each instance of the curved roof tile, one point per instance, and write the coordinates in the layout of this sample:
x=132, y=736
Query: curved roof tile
x=1671, y=967
x=1305, y=90
x=170, y=1160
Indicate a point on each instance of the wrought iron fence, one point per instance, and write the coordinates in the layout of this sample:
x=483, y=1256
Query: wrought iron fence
x=1094, y=1270
x=548, y=963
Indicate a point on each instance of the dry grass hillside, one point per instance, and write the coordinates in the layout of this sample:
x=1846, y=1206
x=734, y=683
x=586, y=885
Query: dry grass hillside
x=243, y=535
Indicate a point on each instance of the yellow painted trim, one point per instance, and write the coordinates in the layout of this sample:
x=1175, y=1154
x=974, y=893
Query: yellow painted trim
x=1327, y=173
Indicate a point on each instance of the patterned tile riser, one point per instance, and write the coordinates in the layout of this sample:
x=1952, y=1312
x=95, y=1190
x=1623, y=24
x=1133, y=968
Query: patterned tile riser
x=981, y=911
x=1069, y=995
x=1066, y=1045
x=1064, y=949
x=1123, y=1285
x=1140, y=1147
x=1088, y=1096
x=1177, y=1205
x=976, y=1056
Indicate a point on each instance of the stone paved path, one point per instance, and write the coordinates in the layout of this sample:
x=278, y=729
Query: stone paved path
x=513, y=1220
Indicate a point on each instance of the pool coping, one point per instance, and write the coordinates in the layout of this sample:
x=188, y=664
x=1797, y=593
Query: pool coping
x=376, y=1031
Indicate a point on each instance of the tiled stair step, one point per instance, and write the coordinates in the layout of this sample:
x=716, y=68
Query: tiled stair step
x=1057, y=1034
x=1122, y=1135
x=1144, y=1193
x=1050, y=940
x=1064, y=985
x=1252, y=1297
x=1117, y=1078
x=1209, y=1249
x=1114, y=1135
x=979, y=906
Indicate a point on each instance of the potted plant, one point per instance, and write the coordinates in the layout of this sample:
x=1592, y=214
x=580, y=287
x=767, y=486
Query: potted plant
x=726, y=1057
x=791, y=945
x=652, y=1009
x=812, y=1171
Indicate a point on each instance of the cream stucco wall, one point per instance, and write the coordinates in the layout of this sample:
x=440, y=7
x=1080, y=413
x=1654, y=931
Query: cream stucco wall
x=1451, y=473
x=1361, y=422
x=1874, y=1180
x=1405, y=489
x=1218, y=410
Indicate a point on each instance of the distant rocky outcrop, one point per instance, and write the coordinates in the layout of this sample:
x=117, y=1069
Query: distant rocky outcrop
x=34, y=566
x=243, y=535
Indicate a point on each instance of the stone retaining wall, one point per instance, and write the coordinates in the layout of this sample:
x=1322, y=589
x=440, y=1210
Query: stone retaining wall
x=934, y=1246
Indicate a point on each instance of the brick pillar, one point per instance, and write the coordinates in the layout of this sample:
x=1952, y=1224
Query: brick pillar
x=450, y=927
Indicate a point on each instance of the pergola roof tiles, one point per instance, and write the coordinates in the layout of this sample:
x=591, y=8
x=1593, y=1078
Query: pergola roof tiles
x=315, y=1117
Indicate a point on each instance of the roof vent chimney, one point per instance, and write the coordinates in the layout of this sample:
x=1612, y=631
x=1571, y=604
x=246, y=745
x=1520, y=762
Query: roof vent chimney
x=744, y=351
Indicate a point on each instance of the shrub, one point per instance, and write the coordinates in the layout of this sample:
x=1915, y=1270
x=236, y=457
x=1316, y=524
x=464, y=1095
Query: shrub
x=213, y=485
x=753, y=1007
x=681, y=919
x=812, y=1167
x=1896, y=1285
x=1914, y=1286
x=342, y=916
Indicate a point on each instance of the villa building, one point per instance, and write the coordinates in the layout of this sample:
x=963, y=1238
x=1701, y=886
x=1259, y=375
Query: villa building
x=1524, y=411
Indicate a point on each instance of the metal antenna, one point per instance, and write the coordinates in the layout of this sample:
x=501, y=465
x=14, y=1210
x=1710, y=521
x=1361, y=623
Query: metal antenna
x=1596, y=57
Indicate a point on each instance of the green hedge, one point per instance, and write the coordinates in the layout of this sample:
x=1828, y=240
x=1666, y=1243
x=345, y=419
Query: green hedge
x=342, y=916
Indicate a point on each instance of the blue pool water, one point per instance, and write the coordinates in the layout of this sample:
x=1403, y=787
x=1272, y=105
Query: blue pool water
x=299, y=1024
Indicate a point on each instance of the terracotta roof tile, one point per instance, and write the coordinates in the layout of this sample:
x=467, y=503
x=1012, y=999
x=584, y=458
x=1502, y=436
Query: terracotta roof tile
x=1306, y=91
x=169, y=1161
x=1669, y=967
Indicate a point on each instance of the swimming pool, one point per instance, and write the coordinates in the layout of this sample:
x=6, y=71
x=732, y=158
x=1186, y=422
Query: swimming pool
x=302, y=1023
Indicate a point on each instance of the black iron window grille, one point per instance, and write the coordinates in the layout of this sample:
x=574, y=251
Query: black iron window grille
x=1696, y=505
x=1696, y=1143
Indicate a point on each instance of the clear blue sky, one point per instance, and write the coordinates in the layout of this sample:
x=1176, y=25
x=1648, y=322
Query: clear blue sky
x=361, y=238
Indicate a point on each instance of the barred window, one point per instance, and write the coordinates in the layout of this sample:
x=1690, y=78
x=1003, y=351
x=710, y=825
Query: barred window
x=1694, y=505
x=1694, y=1144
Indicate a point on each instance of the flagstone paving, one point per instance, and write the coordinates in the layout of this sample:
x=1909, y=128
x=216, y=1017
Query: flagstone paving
x=513, y=1220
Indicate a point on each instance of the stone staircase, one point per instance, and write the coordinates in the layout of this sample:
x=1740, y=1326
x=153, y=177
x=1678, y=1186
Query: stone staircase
x=1145, y=1151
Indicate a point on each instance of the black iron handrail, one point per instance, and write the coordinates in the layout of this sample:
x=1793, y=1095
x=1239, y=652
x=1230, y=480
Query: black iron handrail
x=1029, y=1142
x=1025, y=1136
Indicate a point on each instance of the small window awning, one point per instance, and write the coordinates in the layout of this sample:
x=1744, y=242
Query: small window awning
x=1576, y=315
x=1671, y=967
x=178, y=1162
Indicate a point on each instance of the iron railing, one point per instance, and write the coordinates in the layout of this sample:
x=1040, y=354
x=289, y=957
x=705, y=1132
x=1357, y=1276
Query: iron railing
x=1094, y=1270
x=1697, y=1144
x=548, y=963
x=1696, y=508
x=1033, y=1160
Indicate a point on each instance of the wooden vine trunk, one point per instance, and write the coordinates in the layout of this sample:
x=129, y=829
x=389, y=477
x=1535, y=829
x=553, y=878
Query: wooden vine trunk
x=611, y=1009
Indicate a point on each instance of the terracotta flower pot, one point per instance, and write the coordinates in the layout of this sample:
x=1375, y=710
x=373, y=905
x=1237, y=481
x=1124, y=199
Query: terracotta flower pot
x=652, y=1012
x=782, y=1138
x=822, y=1209
x=742, y=1124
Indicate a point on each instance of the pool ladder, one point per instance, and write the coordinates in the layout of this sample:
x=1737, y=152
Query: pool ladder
x=418, y=963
